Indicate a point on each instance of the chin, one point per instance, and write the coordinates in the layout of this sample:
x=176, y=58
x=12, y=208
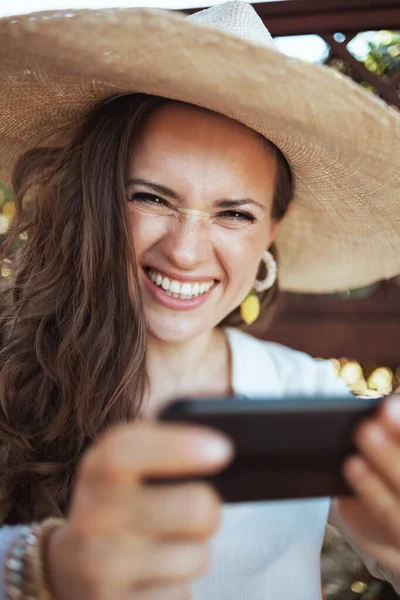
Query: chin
x=176, y=331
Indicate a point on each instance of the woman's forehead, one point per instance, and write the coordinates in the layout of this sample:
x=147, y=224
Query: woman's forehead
x=185, y=143
x=187, y=124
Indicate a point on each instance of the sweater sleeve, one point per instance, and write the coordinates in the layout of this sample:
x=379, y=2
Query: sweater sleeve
x=8, y=536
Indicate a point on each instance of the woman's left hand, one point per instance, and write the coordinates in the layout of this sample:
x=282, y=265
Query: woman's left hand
x=373, y=516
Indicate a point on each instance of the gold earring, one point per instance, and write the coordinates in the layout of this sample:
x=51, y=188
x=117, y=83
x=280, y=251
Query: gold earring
x=250, y=308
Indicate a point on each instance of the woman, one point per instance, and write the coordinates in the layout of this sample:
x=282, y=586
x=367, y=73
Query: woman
x=147, y=219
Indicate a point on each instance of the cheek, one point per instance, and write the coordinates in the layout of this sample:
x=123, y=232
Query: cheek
x=146, y=230
x=241, y=253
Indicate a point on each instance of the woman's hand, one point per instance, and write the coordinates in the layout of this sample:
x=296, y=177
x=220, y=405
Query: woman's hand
x=373, y=517
x=128, y=540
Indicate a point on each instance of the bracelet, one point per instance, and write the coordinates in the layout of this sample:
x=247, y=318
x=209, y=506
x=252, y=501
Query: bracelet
x=25, y=576
x=16, y=580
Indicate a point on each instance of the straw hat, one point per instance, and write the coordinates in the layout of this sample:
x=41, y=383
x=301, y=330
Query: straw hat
x=341, y=141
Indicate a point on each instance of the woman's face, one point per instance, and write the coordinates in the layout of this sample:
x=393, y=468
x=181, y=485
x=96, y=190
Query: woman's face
x=200, y=196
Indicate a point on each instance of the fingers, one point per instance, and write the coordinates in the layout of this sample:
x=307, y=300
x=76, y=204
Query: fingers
x=382, y=502
x=108, y=566
x=131, y=452
x=390, y=415
x=187, y=511
x=170, y=562
x=105, y=494
x=381, y=450
x=190, y=511
x=374, y=475
x=143, y=563
x=127, y=533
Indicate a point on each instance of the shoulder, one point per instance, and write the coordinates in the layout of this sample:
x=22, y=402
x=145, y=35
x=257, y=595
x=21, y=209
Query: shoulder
x=291, y=371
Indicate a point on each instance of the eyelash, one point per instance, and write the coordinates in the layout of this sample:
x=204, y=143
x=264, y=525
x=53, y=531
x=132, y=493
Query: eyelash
x=234, y=215
x=239, y=214
x=150, y=198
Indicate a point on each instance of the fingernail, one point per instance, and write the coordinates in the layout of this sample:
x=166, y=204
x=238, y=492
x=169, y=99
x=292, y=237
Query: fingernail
x=392, y=409
x=355, y=465
x=376, y=435
x=218, y=448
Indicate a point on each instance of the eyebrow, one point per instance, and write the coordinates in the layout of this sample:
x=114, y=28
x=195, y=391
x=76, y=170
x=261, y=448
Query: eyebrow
x=236, y=203
x=165, y=191
x=160, y=189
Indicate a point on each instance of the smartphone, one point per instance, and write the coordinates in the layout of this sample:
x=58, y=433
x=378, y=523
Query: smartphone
x=285, y=448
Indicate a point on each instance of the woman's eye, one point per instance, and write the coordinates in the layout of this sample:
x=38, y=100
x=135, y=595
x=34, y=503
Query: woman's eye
x=147, y=199
x=238, y=215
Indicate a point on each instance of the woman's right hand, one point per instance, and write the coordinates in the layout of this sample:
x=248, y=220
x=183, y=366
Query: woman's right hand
x=127, y=540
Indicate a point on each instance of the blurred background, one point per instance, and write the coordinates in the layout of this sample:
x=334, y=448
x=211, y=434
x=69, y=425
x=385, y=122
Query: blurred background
x=358, y=330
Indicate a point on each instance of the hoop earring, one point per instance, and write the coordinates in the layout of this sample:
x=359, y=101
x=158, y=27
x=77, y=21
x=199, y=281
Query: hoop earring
x=250, y=307
x=268, y=282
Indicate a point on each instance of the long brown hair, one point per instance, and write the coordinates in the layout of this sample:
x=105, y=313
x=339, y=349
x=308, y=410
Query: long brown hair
x=72, y=334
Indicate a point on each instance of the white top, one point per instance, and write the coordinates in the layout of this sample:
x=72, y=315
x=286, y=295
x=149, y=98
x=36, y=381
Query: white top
x=271, y=550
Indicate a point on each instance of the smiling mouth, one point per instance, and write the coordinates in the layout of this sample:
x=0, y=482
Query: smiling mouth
x=179, y=289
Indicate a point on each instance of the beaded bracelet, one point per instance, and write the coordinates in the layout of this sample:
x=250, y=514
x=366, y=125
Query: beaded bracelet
x=24, y=567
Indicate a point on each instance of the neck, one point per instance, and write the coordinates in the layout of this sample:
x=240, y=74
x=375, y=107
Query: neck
x=199, y=367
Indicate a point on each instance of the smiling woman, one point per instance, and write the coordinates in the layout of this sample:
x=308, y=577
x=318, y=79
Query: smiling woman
x=152, y=193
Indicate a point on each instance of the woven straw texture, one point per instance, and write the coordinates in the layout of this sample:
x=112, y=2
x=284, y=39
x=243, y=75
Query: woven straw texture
x=342, y=142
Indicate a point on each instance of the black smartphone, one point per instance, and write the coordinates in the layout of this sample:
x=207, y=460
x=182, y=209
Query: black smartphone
x=285, y=448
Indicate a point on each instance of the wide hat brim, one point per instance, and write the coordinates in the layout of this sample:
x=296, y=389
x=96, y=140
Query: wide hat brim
x=341, y=141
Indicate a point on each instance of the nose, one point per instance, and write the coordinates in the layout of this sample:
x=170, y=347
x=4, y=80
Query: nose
x=187, y=243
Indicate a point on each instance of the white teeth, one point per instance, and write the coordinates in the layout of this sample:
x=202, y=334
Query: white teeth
x=177, y=289
x=186, y=289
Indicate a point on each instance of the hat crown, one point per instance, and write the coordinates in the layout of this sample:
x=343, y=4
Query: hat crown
x=237, y=18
